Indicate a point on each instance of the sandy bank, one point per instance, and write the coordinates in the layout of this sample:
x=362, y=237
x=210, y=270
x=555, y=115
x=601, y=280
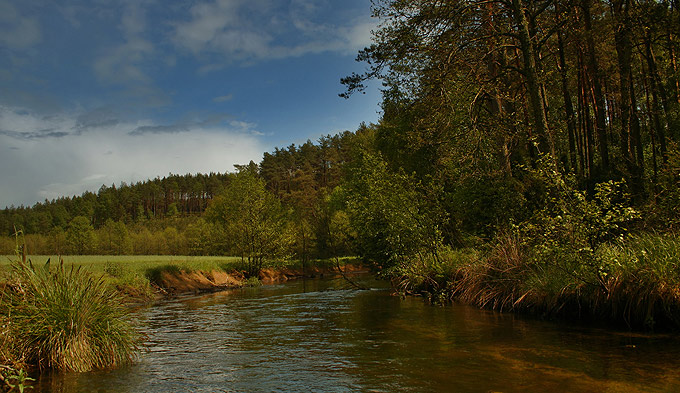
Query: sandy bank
x=173, y=283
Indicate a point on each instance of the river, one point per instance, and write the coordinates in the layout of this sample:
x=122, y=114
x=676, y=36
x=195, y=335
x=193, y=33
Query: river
x=320, y=336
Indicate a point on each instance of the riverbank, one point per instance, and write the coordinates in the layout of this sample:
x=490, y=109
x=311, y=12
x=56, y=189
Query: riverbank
x=141, y=279
x=173, y=281
x=65, y=292
x=633, y=283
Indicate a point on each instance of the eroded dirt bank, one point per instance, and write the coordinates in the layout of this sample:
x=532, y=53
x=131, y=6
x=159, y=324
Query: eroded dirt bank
x=184, y=282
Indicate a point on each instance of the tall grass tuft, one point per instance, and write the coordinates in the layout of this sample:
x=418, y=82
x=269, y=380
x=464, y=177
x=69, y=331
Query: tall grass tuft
x=67, y=319
x=644, y=287
x=637, y=281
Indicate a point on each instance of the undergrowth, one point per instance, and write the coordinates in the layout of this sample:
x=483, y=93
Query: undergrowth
x=574, y=257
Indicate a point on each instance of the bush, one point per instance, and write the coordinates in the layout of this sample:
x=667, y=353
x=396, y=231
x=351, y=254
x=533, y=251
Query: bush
x=66, y=319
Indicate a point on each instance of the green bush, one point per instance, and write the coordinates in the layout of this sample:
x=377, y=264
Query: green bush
x=67, y=319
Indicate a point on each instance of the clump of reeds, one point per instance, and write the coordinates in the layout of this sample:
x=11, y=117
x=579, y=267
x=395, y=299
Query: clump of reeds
x=644, y=288
x=637, y=281
x=495, y=281
x=66, y=319
x=430, y=274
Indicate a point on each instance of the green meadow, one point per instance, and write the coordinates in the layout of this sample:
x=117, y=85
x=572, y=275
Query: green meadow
x=134, y=263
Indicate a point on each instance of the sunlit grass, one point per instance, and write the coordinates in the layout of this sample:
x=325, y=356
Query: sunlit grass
x=635, y=282
x=134, y=275
x=141, y=263
x=66, y=318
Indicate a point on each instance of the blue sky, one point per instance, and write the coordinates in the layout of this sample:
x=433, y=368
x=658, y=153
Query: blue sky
x=97, y=92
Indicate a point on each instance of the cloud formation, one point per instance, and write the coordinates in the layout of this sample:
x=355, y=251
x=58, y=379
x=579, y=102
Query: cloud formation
x=224, y=98
x=162, y=129
x=103, y=91
x=252, y=30
x=62, y=161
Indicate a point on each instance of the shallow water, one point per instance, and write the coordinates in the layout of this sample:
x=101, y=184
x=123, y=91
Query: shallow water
x=317, y=335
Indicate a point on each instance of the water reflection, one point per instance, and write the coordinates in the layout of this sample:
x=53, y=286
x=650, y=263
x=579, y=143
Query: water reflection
x=316, y=336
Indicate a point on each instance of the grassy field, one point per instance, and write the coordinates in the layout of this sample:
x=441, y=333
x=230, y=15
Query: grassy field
x=137, y=271
x=146, y=263
x=133, y=275
x=135, y=263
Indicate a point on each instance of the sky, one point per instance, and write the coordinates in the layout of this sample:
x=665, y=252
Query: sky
x=99, y=92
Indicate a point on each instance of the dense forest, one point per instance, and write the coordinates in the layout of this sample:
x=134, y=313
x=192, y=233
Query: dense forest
x=166, y=215
x=527, y=157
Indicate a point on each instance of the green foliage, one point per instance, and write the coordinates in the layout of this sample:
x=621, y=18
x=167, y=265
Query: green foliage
x=254, y=223
x=565, y=234
x=114, y=238
x=19, y=377
x=393, y=220
x=484, y=205
x=664, y=209
x=172, y=210
x=253, y=281
x=334, y=233
x=202, y=238
x=80, y=236
x=570, y=228
x=66, y=319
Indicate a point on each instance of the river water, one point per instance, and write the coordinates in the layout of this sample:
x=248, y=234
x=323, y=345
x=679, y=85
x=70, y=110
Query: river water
x=320, y=336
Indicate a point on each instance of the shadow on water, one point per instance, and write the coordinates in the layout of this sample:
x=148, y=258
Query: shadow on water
x=318, y=335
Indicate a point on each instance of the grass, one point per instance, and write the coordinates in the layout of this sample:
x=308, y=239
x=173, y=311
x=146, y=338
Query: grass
x=635, y=282
x=65, y=318
x=134, y=275
x=134, y=263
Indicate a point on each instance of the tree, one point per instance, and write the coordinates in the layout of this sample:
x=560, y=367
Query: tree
x=471, y=87
x=394, y=221
x=80, y=236
x=254, y=223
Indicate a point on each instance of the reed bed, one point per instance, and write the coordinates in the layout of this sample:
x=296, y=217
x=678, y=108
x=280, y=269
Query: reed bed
x=635, y=282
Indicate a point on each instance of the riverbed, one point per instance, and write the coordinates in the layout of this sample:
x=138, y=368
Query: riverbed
x=320, y=335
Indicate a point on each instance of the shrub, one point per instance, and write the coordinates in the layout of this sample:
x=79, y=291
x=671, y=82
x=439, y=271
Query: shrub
x=66, y=319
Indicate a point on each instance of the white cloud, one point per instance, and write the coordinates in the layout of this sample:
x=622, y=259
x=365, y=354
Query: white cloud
x=240, y=30
x=50, y=167
x=133, y=21
x=123, y=64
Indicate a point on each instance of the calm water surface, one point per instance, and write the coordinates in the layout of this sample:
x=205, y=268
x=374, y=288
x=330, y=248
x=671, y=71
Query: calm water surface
x=319, y=336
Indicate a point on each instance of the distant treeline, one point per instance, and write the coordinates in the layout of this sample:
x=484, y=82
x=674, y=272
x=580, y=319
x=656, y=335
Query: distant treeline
x=173, y=195
x=164, y=215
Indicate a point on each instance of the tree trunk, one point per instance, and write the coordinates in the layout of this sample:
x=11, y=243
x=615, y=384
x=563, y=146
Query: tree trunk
x=635, y=130
x=568, y=107
x=585, y=119
x=651, y=130
x=652, y=77
x=496, y=104
x=598, y=97
x=530, y=71
x=624, y=50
